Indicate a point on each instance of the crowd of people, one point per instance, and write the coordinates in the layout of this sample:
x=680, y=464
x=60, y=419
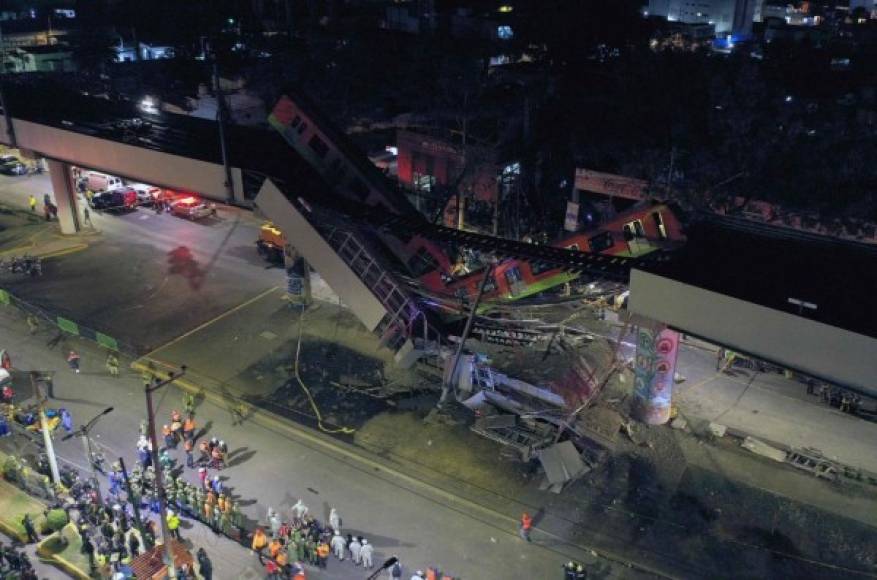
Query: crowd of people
x=111, y=538
x=15, y=564
x=284, y=546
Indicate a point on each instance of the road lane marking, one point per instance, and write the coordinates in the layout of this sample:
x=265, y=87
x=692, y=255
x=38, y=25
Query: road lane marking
x=212, y=320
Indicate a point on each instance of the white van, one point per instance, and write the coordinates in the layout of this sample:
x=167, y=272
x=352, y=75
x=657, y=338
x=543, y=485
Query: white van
x=98, y=182
x=146, y=194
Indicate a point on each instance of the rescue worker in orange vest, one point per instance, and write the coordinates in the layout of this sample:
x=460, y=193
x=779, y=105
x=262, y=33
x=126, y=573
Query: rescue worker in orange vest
x=177, y=426
x=260, y=540
x=274, y=547
x=323, y=553
x=282, y=561
x=168, y=435
x=526, y=526
x=204, y=449
x=189, y=428
x=432, y=574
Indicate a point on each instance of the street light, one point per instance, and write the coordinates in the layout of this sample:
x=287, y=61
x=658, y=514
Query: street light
x=159, y=480
x=84, y=432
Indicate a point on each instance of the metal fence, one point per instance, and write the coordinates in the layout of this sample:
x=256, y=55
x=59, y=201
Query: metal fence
x=67, y=326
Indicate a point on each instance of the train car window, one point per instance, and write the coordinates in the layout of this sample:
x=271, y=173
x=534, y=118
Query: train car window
x=574, y=247
x=422, y=263
x=462, y=292
x=490, y=285
x=541, y=267
x=302, y=128
x=296, y=122
x=319, y=146
x=601, y=242
x=513, y=275
x=659, y=225
x=638, y=229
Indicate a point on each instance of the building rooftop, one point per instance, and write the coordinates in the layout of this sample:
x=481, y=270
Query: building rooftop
x=45, y=49
x=769, y=266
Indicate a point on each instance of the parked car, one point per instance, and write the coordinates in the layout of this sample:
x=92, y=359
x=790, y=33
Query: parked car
x=4, y=159
x=193, y=208
x=13, y=168
x=116, y=199
x=146, y=194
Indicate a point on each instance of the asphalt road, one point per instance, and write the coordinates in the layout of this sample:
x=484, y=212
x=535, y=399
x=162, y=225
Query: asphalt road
x=147, y=278
x=267, y=469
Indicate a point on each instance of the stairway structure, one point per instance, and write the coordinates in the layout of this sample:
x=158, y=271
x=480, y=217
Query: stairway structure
x=354, y=269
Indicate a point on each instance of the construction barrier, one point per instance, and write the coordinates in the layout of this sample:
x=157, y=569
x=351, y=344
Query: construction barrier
x=66, y=325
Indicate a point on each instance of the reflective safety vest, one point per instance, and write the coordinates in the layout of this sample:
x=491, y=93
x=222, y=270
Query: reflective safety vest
x=259, y=540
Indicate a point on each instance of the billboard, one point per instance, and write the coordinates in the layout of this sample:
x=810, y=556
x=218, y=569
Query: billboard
x=611, y=184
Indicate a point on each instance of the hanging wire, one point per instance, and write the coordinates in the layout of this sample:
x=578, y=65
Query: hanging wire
x=344, y=430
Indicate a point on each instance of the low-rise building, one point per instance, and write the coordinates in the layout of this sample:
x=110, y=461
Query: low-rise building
x=126, y=52
x=436, y=167
x=42, y=58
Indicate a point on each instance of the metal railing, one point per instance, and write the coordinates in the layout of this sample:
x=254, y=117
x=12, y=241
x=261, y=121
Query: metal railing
x=37, y=317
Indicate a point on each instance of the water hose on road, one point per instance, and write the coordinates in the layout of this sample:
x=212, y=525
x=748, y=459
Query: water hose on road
x=343, y=430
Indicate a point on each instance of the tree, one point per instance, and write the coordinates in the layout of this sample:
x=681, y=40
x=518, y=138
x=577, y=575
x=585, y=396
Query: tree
x=56, y=519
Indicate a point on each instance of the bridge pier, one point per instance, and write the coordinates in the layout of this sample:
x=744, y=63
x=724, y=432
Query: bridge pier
x=65, y=196
x=656, y=350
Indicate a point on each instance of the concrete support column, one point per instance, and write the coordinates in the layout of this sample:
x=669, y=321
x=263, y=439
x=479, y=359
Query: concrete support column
x=656, y=350
x=65, y=196
x=298, y=277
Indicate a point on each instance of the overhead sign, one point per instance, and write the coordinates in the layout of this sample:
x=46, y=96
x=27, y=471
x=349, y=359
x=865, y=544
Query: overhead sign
x=611, y=184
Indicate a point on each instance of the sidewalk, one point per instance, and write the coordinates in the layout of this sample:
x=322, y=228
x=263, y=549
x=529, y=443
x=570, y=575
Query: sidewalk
x=772, y=408
x=767, y=406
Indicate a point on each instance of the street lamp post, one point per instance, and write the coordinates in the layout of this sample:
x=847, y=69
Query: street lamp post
x=84, y=432
x=159, y=480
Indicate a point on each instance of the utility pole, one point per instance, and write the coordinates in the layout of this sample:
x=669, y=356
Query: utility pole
x=446, y=385
x=135, y=503
x=47, y=435
x=84, y=432
x=221, y=118
x=159, y=479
